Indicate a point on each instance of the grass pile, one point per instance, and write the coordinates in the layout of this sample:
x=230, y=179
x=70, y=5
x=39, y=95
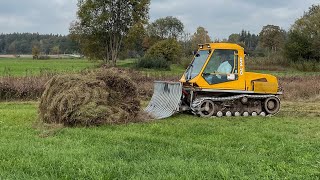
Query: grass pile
x=101, y=97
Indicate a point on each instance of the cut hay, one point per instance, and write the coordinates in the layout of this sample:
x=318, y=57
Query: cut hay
x=96, y=98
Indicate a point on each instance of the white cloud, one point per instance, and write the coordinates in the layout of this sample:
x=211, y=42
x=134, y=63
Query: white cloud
x=37, y=16
x=14, y=22
x=60, y=2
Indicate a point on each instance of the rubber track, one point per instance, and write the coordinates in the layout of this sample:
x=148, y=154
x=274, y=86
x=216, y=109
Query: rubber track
x=197, y=102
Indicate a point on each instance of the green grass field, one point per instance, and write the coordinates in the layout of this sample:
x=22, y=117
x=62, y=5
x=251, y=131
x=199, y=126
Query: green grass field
x=27, y=67
x=182, y=147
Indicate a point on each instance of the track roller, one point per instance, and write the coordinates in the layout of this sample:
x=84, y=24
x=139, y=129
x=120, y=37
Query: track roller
x=245, y=114
x=263, y=114
x=254, y=114
x=219, y=114
x=237, y=114
x=229, y=114
x=244, y=100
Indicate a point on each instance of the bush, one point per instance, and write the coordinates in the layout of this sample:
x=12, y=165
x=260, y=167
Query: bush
x=44, y=57
x=306, y=66
x=22, y=88
x=168, y=49
x=7, y=91
x=297, y=47
x=153, y=63
x=185, y=61
x=273, y=62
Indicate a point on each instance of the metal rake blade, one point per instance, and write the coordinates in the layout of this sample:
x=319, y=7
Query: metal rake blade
x=166, y=99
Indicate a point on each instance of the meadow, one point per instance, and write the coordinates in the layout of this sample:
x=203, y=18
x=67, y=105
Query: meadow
x=29, y=67
x=181, y=147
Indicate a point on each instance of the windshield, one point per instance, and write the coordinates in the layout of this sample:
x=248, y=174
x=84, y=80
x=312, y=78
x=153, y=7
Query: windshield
x=197, y=64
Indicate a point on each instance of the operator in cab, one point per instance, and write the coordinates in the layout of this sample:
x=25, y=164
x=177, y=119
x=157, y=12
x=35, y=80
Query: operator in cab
x=218, y=68
x=224, y=67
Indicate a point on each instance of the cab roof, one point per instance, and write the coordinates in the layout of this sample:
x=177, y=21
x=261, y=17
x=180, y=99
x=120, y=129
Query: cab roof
x=208, y=46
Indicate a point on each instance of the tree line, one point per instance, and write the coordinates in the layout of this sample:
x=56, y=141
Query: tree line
x=24, y=43
x=111, y=29
x=116, y=29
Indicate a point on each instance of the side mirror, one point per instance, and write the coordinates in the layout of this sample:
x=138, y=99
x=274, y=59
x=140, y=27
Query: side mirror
x=246, y=53
x=194, y=52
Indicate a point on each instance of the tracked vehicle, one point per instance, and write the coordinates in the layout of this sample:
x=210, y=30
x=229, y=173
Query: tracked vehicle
x=216, y=84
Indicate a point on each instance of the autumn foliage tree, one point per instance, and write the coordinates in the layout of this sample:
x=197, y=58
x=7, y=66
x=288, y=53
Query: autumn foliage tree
x=303, y=42
x=135, y=39
x=200, y=37
x=35, y=52
x=272, y=38
x=102, y=25
x=163, y=28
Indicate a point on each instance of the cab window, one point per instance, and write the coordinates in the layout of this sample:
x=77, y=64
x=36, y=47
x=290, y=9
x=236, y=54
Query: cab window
x=222, y=67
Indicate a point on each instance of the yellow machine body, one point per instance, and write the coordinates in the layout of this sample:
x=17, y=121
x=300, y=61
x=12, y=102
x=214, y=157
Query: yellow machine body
x=246, y=82
x=216, y=84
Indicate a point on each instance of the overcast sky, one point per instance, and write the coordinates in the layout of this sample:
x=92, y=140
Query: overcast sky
x=219, y=17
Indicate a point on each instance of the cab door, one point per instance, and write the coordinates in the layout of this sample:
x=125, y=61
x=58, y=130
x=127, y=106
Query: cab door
x=222, y=67
x=222, y=71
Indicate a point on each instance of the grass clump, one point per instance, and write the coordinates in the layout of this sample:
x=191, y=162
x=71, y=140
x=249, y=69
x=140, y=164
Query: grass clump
x=95, y=98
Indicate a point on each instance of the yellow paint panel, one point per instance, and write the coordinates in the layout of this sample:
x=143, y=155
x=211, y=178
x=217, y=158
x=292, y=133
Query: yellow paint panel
x=252, y=78
x=265, y=87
